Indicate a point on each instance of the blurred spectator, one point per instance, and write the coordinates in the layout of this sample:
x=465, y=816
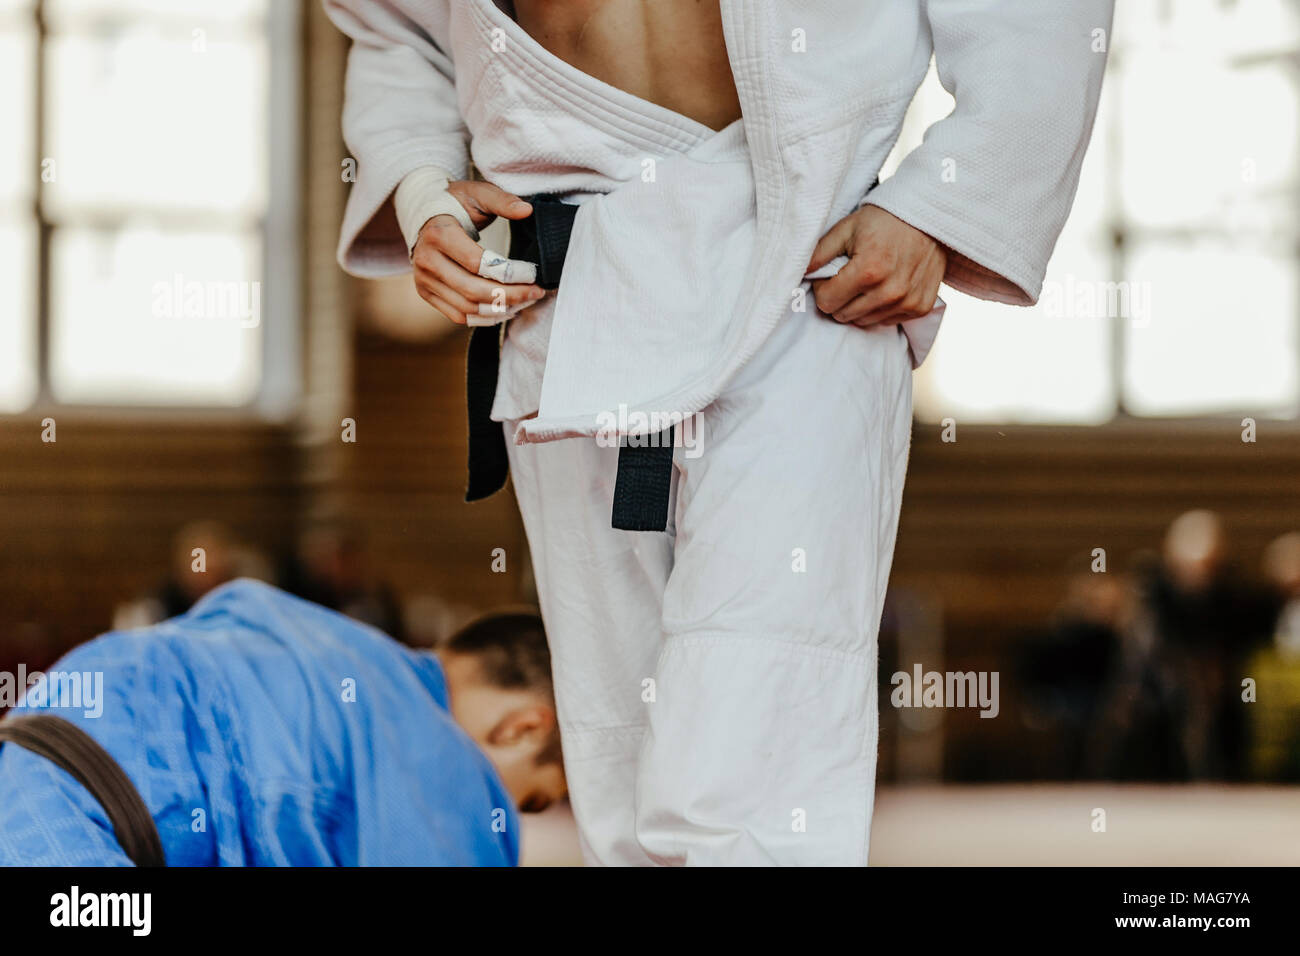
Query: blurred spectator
x=205, y=555
x=1137, y=737
x=1282, y=568
x=1067, y=670
x=1198, y=624
x=430, y=619
x=331, y=566
x=1275, y=713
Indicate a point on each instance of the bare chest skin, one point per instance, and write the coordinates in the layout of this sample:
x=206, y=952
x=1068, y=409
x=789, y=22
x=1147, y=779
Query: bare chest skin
x=670, y=52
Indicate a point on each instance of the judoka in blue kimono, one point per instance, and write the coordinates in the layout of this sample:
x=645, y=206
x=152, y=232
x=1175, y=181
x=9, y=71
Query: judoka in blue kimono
x=261, y=729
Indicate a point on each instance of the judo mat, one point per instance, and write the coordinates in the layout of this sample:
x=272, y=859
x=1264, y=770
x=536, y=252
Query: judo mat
x=1047, y=824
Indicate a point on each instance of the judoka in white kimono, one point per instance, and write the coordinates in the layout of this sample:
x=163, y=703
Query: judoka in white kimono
x=716, y=684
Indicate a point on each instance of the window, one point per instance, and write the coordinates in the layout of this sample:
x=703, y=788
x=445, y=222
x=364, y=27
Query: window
x=144, y=258
x=1173, y=290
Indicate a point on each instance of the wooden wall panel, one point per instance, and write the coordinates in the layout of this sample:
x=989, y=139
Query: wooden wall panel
x=87, y=521
x=990, y=521
x=404, y=478
x=989, y=524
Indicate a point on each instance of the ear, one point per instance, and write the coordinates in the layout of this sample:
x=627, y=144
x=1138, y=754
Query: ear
x=530, y=723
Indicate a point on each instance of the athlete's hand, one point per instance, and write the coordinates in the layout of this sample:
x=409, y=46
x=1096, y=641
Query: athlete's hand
x=892, y=275
x=446, y=260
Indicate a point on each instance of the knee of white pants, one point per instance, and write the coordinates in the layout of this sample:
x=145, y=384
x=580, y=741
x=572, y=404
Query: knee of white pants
x=760, y=751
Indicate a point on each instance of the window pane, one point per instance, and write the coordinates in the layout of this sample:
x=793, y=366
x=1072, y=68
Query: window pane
x=1050, y=363
x=1222, y=335
x=1204, y=133
x=142, y=120
x=17, y=317
x=18, y=379
x=17, y=172
x=143, y=317
x=60, y=10
x=1233, y=28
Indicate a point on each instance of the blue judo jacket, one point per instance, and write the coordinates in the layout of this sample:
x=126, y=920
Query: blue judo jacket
x=262, y=730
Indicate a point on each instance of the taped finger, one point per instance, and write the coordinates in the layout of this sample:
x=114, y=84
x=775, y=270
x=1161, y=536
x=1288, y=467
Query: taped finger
x=497, y=267
x=493, y=315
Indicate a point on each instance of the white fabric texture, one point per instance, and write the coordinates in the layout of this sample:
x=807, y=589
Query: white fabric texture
x=759, y=745
x=823, y=86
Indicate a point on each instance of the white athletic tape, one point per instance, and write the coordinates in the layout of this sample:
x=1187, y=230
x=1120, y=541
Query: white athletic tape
x=421, y=196
x=448, y=205
x=497, y=318
x=491, y=310
x=497, y=267
x=489, y=314
x=831, y=268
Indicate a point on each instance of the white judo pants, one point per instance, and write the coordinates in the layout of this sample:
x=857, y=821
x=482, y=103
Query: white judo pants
x=716, y=685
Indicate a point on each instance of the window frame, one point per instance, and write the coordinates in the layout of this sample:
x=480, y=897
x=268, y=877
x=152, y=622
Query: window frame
x=279, y=390
x=1124, y=236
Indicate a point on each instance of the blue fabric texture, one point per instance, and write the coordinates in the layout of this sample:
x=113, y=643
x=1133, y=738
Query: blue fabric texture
x=263, y=730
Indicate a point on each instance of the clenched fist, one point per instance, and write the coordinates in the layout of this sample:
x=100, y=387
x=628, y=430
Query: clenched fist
x=892, y=275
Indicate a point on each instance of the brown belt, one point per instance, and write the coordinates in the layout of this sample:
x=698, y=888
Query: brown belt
x=70, y=748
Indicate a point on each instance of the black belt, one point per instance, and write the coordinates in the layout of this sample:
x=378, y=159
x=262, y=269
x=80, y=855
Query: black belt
x=641, y=490
x=70, y=748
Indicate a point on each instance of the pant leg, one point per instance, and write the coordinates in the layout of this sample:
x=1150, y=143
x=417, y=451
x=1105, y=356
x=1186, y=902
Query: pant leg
x=600, y=592
x=762, y=738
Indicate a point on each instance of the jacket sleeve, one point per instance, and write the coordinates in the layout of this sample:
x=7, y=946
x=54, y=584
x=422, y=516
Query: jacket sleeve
x=400, y=112
x=994, y=180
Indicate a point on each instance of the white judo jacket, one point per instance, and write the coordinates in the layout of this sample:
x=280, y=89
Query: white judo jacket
x=643, y=325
